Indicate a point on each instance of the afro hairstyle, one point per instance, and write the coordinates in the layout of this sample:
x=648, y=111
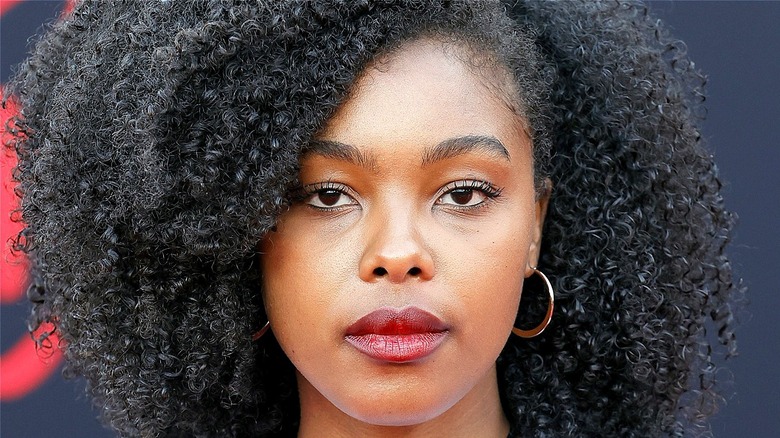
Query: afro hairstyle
x=158, y=142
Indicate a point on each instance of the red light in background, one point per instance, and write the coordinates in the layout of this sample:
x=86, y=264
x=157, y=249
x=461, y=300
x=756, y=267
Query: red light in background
x=22, y=367
x=13, y=267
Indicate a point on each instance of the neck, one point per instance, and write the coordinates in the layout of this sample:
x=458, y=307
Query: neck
x=478, y=414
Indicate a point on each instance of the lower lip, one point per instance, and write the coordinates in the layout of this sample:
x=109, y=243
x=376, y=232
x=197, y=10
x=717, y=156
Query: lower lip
x=397, y=348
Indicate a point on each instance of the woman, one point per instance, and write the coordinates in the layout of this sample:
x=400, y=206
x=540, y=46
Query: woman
x=316, y=219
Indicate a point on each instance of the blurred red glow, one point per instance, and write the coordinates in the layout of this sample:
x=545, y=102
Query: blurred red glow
x=22, y=367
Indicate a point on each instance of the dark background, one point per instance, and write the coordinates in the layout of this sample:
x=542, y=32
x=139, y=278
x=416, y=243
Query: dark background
x=737, y=44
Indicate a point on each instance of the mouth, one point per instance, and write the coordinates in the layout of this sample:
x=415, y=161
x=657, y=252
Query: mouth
x=397, y=335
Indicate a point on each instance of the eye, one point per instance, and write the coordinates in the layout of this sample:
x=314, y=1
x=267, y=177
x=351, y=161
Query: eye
x=329, y=198
x=326, y=196
x=462, y=197
x=467, y=193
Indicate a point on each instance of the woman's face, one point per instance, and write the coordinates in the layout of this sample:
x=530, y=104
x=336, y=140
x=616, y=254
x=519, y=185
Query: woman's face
x=393, y=281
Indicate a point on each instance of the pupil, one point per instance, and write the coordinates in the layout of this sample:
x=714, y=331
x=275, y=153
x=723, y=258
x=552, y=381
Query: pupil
x=462, y=196
x=329, y=197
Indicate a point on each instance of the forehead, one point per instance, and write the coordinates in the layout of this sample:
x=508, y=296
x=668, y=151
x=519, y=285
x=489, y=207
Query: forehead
x=423, y=92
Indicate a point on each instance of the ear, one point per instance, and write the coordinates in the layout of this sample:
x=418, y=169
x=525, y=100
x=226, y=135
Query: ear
x=540, y=209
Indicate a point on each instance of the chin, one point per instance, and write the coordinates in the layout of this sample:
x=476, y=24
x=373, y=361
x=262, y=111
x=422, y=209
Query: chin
x=397, y=411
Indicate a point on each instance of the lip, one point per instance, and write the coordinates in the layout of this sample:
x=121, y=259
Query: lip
x=397, y=335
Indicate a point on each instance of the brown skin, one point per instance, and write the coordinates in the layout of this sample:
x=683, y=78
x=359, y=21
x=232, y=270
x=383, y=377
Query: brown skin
x=384, y=201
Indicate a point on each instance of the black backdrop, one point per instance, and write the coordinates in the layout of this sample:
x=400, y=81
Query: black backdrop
x=738, y=45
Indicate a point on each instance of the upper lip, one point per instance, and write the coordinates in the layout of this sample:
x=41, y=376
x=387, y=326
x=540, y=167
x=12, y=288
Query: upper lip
x=390, y=321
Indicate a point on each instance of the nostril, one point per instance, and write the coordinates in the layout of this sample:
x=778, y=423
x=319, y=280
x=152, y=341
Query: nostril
x=415, y=271
x=380, y=272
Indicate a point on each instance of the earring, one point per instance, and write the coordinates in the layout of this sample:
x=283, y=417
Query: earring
x=259, y=334
x=539, y=328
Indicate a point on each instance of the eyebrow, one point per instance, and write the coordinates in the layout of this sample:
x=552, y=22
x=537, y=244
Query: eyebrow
x=452, y=147
x=449, y=148
x=340, y=151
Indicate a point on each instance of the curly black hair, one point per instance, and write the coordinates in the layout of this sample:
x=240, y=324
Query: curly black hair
x=158, y=141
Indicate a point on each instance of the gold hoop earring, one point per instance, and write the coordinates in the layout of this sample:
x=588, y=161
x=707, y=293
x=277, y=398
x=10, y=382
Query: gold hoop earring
x=259, y=334
x=539, y=328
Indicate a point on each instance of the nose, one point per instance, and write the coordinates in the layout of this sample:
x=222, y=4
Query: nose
x=396, y=252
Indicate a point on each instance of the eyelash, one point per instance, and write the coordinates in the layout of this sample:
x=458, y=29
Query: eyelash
x=301, y=194
x=490, y=192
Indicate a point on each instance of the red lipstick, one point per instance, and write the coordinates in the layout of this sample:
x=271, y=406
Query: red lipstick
x=397, y=335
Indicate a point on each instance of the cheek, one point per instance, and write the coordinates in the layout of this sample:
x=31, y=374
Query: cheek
x=301, y=284
x=282, y=261
x=487, y=270
x=493, y=253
